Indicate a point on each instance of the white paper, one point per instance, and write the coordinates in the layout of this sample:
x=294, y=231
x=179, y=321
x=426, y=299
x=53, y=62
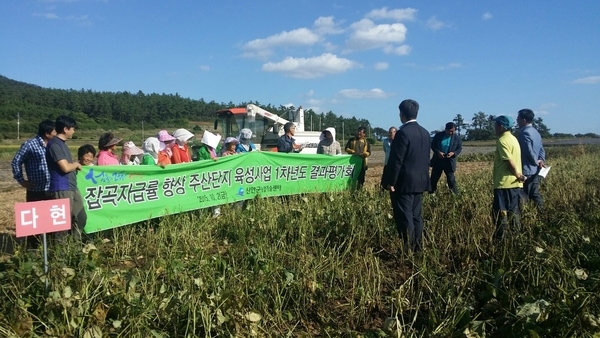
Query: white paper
x=544, y=171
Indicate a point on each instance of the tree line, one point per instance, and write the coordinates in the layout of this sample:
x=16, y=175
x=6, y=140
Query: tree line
x=481, y=128
x=28, y=104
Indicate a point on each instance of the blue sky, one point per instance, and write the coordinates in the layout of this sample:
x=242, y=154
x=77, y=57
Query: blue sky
x=355, y=58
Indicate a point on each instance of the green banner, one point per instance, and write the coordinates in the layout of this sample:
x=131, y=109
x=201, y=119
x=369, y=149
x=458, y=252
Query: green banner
x=121, y=195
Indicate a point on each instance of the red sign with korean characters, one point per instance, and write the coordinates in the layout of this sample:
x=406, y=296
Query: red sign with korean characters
x=34, y=218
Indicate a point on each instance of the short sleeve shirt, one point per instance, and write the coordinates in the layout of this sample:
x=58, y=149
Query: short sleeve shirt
x=507, y=147
x=60, y=181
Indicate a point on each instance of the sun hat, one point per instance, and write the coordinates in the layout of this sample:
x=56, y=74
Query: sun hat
x=231, y=140
x=108, y=140
x=164, y=136
x=331, y=130
x=211, y=139
x=182, y=134
x=505, y=121
x=245, y=134
x=129, y=148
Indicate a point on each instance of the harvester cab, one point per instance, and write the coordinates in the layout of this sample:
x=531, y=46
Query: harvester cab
x=266, y=127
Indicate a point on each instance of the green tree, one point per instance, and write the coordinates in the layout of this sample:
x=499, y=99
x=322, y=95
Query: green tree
x=539, y=125
x=482, y=128
x=460, y=124
x=379, y=133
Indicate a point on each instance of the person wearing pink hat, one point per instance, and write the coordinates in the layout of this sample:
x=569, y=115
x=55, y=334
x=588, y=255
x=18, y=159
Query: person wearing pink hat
x=130, y=154
x=107, y=145
x=165, y=144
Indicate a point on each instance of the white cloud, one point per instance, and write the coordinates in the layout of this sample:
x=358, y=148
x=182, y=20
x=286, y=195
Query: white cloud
x=296, y=37
x=549, y=105
x=329, y=47
x=326, y=25
x=204, y=68
x=541, y=112
x=486, y=16
x=309, y=68
x=434, y=68
x=404, y=14
x=434, y=24
x=587, y=80
x=400, y=50
x=367, y=35
x=47, y=15
x=81, y=19
x=448, y=66
x=382, y=65
x=310, y=93
x=262, y=48
x=374, y=93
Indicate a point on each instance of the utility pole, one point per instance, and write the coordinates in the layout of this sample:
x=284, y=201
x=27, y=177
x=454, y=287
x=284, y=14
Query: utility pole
x=18, y=126
x=142, y=130
x=320, y=125
x=343, y=134
x=311, y=126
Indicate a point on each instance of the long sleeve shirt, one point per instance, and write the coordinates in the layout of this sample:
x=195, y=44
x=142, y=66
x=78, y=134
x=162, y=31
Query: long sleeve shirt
x=532, y=149
x=32, y=154
x=387, y=147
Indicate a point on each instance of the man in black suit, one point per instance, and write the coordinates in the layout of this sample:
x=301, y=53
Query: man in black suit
x=409, y=175
x=446, y=146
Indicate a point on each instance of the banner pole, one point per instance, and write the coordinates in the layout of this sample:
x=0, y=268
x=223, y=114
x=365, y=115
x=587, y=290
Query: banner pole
x=45, y=259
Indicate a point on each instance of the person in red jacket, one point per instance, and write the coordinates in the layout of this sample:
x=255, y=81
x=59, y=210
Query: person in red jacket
x=181, y=151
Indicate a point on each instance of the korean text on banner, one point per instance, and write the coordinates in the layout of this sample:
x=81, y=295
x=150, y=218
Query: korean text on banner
x=121, y=195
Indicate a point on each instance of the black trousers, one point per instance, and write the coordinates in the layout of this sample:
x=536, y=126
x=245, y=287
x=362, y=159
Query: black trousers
x=408, y=215
x=506, y=211
x=531, y=191
x=436, y=172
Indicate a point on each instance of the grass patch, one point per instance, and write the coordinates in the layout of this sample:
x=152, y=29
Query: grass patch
x=327, y=265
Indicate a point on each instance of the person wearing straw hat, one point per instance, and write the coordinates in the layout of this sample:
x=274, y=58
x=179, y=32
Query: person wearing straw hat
x=130, y=154
x=181, y=151
x=107, y=145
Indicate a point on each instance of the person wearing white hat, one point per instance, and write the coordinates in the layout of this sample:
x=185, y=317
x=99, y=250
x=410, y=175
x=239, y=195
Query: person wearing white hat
x=130, y=154
x=208, y=149
x=229, y=146
x=245, y=145
x=181, y=151
x=152, y=153
x=328, y=145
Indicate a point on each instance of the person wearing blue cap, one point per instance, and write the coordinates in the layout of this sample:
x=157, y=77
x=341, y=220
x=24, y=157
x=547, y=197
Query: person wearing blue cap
x=533, y=157
x=507, y=177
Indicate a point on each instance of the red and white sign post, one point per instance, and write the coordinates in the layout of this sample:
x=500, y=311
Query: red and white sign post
x=34, y=218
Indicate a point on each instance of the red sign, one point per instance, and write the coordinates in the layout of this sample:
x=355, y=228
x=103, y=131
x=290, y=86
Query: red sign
x=33, y=218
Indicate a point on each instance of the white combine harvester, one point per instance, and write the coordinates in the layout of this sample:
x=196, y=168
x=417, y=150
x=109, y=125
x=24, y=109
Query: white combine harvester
x=266, y=127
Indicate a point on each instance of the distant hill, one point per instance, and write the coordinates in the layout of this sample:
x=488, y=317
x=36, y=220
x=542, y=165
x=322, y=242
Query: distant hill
x=109, y=110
